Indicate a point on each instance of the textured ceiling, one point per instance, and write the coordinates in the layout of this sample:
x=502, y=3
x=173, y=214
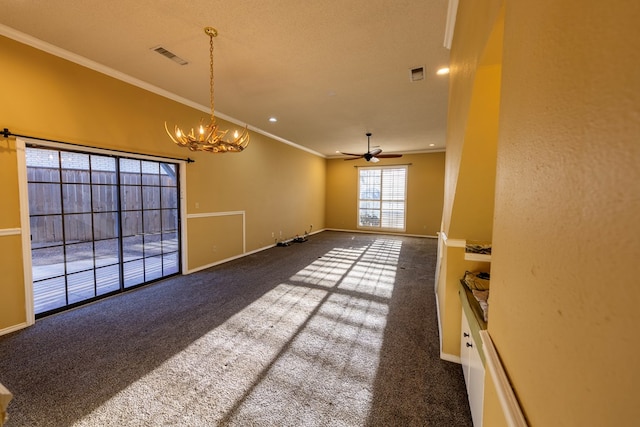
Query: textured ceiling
x=329, y=70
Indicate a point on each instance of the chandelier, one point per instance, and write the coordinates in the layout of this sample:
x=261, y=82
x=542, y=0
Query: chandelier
x=209, y=137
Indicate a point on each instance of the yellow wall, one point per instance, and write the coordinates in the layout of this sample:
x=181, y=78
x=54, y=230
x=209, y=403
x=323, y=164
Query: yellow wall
x=563, y=303
x=12, y=305
x=213, y=238
x=425, y=185
x=467, y=54
x=279, y=187
x=492, y=413
x=566, y=218
x=11, y=244
x=472, y=211
x=472, y=136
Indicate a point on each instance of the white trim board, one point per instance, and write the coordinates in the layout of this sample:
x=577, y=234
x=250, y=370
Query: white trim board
x=506, y=396
x=10, y=231
x=25, y=223
x=451, y=358
x=452, y=243
x=14, y=328
x=461, y=243
x=444, y=356
x=382, y=232
x=210, y=214
x=242, y=255
x=452, y=12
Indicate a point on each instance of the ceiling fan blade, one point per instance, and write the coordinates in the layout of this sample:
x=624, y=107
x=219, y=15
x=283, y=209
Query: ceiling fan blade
x=370, y=155
x=388, y=156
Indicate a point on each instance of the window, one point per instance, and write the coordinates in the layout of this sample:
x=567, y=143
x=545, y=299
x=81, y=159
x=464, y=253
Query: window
x=381, y=197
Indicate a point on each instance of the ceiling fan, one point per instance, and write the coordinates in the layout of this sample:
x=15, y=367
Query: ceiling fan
x=372, y=156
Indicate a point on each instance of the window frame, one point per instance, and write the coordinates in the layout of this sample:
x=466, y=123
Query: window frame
x=382, y=201
x=25, y=230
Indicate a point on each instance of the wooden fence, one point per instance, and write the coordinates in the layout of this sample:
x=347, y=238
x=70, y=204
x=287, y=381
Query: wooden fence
x=90, y=202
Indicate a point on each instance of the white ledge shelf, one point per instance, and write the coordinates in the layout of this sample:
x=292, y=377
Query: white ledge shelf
x=470, y=256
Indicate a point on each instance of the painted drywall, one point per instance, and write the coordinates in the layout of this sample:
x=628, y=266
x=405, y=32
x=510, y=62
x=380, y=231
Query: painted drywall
x=425, y=186
x=565, y=235
x=472, y=212
x=12, y=303
x=277, y=186
x=12, y=283
x=492, y=412
x=271, y=177
x=471, y=163
x=212, y=238
x=566, y=212
x=474, y=25
x=9, y=218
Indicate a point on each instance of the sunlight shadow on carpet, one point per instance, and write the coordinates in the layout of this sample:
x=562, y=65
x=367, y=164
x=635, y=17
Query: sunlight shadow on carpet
x=305, y=353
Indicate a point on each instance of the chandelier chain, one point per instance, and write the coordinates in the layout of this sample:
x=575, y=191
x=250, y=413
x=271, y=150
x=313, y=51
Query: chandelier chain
x=211, y=74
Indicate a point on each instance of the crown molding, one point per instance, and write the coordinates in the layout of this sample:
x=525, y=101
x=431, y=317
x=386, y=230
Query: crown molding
x=103, y=69
x=450, y=26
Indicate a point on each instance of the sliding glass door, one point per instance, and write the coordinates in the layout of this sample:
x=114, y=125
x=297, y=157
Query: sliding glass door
x=99, y=224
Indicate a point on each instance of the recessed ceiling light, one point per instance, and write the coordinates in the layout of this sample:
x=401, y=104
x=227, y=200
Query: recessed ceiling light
x=273, y=119
x=442, y=71
x=432, y=145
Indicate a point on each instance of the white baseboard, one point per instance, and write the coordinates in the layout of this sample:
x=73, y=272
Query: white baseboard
x=264, y=248
x=439, y=322
x=382, y=232
x=506, y=395
x=13, y=328
x=450, y=358
x=444, y=356
x=213, y=264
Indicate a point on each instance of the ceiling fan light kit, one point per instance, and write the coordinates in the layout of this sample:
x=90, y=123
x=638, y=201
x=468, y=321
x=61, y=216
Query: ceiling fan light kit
x=210, y=137
x=372, y=156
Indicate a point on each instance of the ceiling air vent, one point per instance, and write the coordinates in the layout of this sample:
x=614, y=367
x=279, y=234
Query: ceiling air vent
x=167, y=54
x=416, y=74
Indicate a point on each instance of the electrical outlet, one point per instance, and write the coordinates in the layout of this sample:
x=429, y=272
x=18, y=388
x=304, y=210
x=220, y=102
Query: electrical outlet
x=273, y=234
